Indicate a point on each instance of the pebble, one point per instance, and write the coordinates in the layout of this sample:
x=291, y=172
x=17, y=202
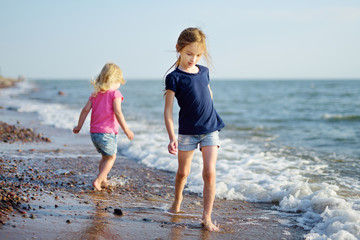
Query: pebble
x=11, y=133
x=118, y=212
x=147, y=220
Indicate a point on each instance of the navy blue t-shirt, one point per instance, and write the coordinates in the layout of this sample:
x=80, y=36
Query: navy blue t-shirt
x=197, y=113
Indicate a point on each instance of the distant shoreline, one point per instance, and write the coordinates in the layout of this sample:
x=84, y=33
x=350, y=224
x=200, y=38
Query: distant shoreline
x=217, y=79
x=9, y=82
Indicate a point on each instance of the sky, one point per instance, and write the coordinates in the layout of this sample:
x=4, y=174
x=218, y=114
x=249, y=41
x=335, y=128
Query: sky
x=262, y=39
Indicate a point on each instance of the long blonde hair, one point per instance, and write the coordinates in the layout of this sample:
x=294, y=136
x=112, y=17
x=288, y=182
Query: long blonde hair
x=110, y=73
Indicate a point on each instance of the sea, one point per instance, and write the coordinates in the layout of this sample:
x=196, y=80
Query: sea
x=292, y=143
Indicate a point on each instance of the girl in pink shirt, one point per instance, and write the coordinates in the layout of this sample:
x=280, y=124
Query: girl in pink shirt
x=106, y=117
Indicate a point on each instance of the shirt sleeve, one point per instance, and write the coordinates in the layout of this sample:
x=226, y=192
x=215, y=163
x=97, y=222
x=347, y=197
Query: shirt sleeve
x=170, y=83
x=208, y=75
x=117, y=94
x=92, y=96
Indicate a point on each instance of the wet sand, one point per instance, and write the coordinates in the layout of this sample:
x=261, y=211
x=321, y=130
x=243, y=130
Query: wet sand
x=49, y=186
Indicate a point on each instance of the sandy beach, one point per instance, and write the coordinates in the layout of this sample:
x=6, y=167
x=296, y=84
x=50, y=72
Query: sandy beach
x=46, y=193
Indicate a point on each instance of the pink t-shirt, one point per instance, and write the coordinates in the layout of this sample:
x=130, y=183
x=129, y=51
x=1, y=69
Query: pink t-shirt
x=103, y=118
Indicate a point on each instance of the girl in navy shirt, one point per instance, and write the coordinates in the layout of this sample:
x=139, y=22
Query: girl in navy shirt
x=199, y=123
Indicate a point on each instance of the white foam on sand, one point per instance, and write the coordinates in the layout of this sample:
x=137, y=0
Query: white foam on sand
x=259, y=176
x=117, y=181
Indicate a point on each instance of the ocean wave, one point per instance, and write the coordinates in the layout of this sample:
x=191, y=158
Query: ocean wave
x=339, y=117
x=18, y=89
x=245, y=172
x=57, y=115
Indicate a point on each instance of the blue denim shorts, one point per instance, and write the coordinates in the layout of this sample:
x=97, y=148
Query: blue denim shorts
x=105, y=143
x=190, y=142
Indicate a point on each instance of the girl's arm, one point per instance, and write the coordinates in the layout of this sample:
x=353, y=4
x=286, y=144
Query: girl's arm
x=84, y=112
x=211, y=94
x=168, y=117
x=121, y=119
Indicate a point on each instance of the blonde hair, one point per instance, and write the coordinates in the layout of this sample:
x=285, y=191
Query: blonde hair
x=110, y=73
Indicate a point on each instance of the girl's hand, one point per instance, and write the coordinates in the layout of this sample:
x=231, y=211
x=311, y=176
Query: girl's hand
x=129, y=134
x=173, y=147
x=76, y=129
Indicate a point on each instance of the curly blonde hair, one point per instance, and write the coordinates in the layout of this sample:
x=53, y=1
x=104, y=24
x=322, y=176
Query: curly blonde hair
x=110, y=73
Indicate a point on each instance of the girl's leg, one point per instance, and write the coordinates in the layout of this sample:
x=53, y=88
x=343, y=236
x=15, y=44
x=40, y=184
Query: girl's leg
x=184, y=162
x=105, y=166
x=209, y=176
x=101, y=163
x=104, y=183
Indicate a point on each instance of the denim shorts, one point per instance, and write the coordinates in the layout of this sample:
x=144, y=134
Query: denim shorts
x=105, y=143
x=190, y=142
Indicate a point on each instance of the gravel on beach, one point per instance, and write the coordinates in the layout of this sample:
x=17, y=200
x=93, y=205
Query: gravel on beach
x=11, y=133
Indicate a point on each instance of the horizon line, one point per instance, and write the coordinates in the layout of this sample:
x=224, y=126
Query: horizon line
x=212, y=79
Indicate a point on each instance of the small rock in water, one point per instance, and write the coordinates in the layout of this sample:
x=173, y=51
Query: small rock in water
x=68, y=221
x=118, y=212
x=147, y=220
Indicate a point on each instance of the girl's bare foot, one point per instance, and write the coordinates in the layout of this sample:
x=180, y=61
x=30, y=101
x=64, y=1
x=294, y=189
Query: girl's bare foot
x=97, y=185
x=208, y=225
x=104, y=184
x=175, y=208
